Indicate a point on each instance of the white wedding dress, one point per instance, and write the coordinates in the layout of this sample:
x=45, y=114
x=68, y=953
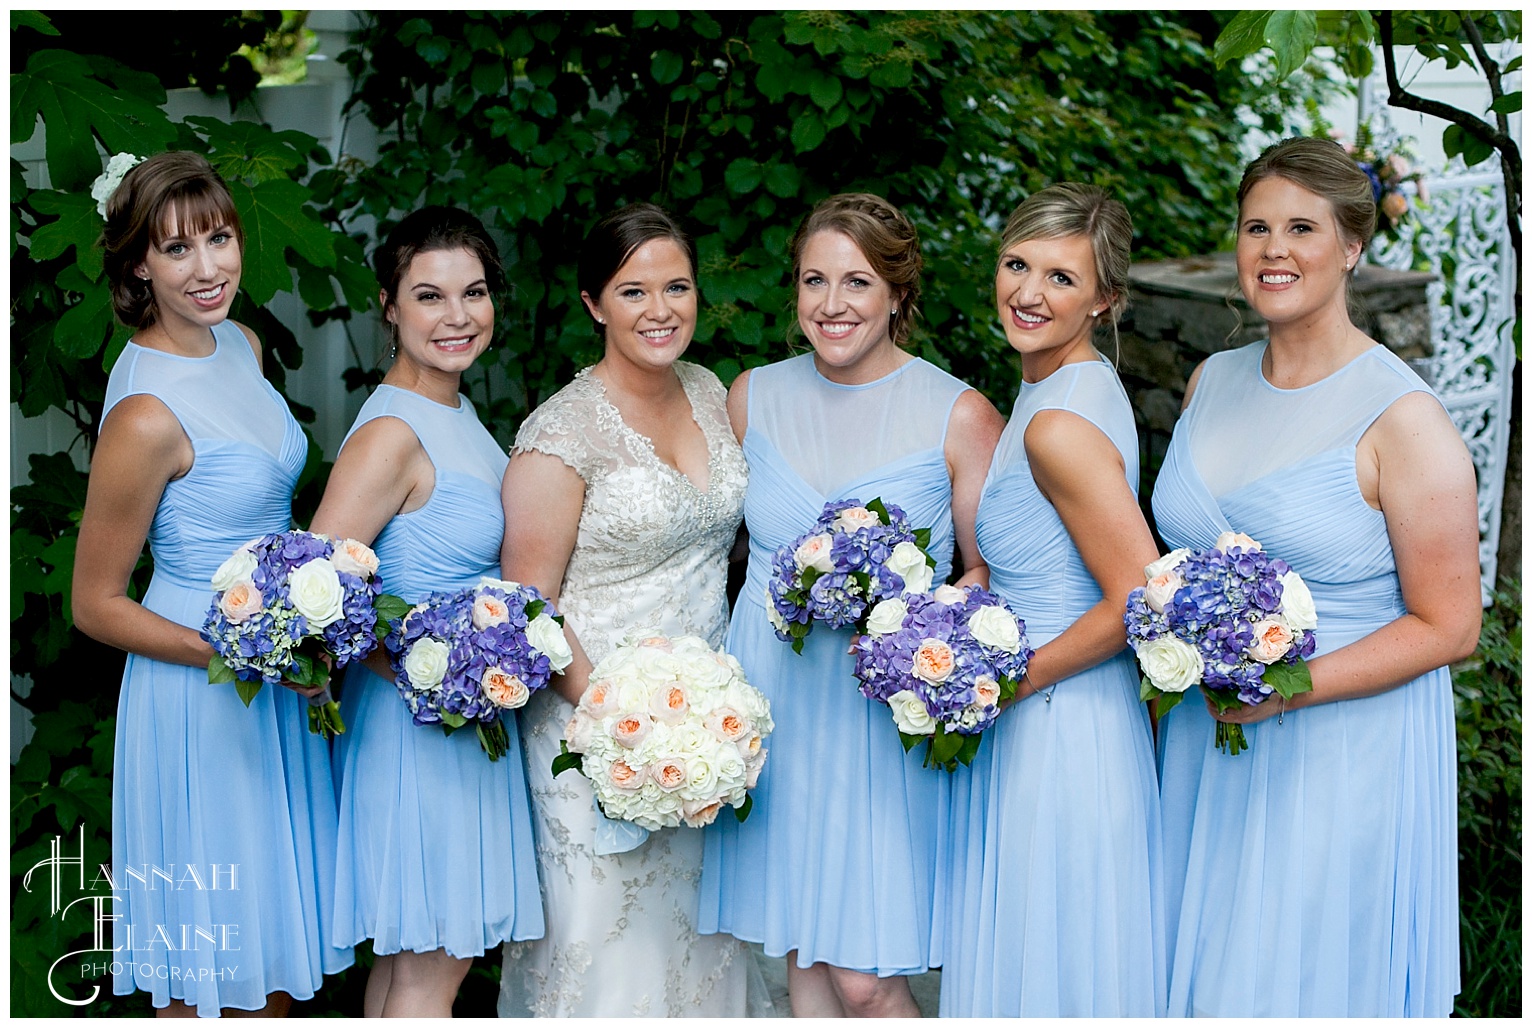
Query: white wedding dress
x=651, y=554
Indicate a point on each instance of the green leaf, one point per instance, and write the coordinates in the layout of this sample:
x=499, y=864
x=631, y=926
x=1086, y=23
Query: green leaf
x=783, y=180
x=1476, y=150
x=665, y=67
x=247, y=691
x=78, y=108
x=1510, y=103
x=923, y=540
x=78, y=224
x=1292, y=35
x=1453, y=138
x=452, y=720
x=808, y=131
x=1167, y=702
x=276, y=218
x=1244, y=35
x=84, y=327
x=251, y=150
x=742, y=175
x=1289, y=679
x=32, y=20
x=945, y=745
x=219, y=672
x=390, y=607
x=743, y=810
x=911, y=741
x=826, y=91
x=567, y=760
x=878, y=507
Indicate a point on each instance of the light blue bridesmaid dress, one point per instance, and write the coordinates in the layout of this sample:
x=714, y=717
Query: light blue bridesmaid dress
x=1315, y=874
x=1051, y=899
x=235, y=804
x=837, y=858
x=435, y=839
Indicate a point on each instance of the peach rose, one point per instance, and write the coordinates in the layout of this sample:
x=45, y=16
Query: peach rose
x=503, y=689
x=727, y=724
x=658, y=642
x=669, y=773
x=749, y=744
x=489, y=610
x=753, y=768
x=632, y=729
x=1162, y=589
x=1240, y=539
x=814, y=552
x=624, y=776
x=853, y=518
x=578, y=732
x=934, y=661
x=600, y=700
x=240, y=601
x=700, y=814
x=1272, y=640
x=1393, y=206
x=986, y=690
x=355, y=558
x=669, y=704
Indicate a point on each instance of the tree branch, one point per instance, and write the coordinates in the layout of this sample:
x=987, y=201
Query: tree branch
x=1491, y=69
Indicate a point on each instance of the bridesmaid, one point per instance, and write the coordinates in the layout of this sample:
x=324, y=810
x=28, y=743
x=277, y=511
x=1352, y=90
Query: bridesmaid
x=1053, y=904
x=199, y=782
x=436, y=863
x=1316, y=874
x=835, y=867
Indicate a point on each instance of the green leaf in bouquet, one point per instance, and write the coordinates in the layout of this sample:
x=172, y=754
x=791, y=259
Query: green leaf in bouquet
x=877, y=507
x=809, y=576
x=566, y=760
x=1224, y=699
x=390, y=607
x=1008, y=687
x=219, y=672
x=799, y=631
x=1167, y=701
x=923, y=540
x=1289, y=679
x=945, y=746
x=308, y=670
x=743, y=810
x=911, y=741
x=247, y=690
x=493, y=740
x=535, y=608
x=969, y=750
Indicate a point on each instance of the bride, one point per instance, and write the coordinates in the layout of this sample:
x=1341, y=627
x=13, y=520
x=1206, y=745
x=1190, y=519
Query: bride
x=623, y=496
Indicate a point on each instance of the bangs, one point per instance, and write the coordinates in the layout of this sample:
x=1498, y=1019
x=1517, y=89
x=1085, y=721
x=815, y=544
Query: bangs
x=197, y=208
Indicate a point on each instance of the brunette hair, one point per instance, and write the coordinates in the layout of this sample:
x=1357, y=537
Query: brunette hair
x=617, y=237
x=886, y=238
x=429, y=229
x=178, y=183
x=1072, y=209
x=1323, y=167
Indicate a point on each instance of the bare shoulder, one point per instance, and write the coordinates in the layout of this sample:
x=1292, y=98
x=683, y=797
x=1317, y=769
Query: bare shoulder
x=1191, y=384
x=974, y=418
x=739, y=404
x=251, y=338
x=142, y=423
x=1416, y=430
x=382, y=441
x=1066, y=448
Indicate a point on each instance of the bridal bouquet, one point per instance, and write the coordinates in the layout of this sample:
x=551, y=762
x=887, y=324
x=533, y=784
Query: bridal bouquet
x=1231, y=618
x=284, y=601
x=471, y=655
x=668, y=732
x=943, y=662
x=853, y=557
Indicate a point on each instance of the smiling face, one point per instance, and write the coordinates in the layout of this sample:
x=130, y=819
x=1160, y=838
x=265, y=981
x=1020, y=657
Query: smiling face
x=443, y=313
x=649, y=308
x=844, y=309
x=1046, y=291
x=1291, y=256
x=194, y=275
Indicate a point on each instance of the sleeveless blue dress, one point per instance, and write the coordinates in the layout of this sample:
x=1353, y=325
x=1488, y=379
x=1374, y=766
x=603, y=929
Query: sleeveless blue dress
x=837, y=859
x=1051, y=898
x=236, y=804
x=435, y=839
x=1315, y=874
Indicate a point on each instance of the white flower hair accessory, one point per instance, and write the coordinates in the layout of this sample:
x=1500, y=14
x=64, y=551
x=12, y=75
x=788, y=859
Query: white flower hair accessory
x=107, y=182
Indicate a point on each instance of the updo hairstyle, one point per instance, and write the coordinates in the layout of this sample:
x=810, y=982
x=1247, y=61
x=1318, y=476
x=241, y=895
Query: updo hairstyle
x=138, y=213
x=886, y=238
x=431, y=229
x=1323, y=167
x=617, y=237
x=1071, y=209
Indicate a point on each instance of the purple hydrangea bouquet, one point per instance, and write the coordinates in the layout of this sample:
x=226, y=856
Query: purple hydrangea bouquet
x=1231, y=618
x=853, y=557
x=943, y=662
x=285, y=601
x=470, y=655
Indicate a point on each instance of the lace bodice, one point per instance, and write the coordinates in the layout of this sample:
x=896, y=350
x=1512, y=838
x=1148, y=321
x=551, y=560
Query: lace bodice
x=652, y=549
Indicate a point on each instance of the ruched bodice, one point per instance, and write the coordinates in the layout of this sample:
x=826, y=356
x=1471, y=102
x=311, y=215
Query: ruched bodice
x=1032, y=561
x=198, y=777
x=1350, y=804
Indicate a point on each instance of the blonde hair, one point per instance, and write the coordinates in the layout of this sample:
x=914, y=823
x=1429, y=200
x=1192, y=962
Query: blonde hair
x=1072, y=209
x=886, y=238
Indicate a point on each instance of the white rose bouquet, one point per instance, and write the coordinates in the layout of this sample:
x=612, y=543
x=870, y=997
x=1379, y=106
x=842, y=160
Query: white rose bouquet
x=1231, y=618
x=284, y=603
x=474, y=655
x=668, y=732
x=851, y=558
x=943, y=661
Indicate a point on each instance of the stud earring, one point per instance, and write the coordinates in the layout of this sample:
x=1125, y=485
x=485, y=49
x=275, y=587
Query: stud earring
x=893, y=311
x=601, y=321
x=1095, y=314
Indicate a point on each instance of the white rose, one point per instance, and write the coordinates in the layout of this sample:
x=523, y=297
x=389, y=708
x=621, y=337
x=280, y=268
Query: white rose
x=887, y=616
x=237, y=568
x=1170, y=664
x=1169, y=562
x=995, y=627
x=426, y=663
x=908, y=561
x=948, y=594
x=355, y=558
x=1230, y=539
x=1162, y=589
x=1298, y=603
x=853, y=518
x=910, y=715
x=316, y=592
x=578, y=732
x=814, y=552
x=547, y=637
x=777, y=620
